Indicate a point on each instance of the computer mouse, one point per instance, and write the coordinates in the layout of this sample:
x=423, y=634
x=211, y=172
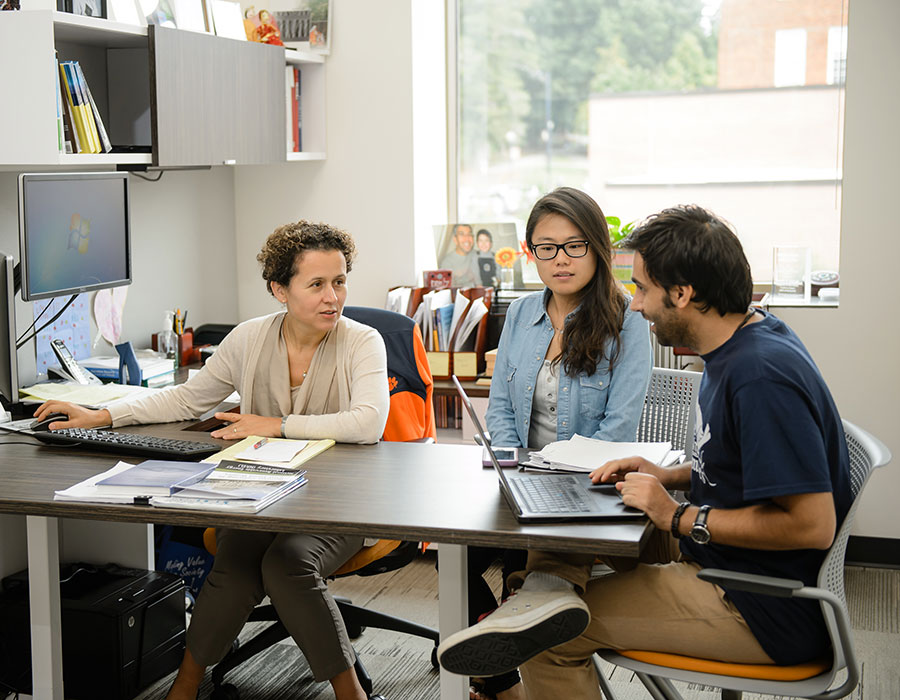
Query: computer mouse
x=39, y=425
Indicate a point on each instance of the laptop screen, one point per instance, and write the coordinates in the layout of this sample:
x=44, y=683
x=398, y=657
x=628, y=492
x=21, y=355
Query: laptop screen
x=504, y=484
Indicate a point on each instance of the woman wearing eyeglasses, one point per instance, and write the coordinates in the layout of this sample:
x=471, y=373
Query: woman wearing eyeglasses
x=573, y=359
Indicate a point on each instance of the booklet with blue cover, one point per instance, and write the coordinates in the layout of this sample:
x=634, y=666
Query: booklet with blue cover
x=155, y=477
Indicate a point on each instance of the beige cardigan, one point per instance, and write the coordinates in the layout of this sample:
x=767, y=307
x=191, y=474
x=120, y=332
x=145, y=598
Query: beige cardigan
x=351, y=362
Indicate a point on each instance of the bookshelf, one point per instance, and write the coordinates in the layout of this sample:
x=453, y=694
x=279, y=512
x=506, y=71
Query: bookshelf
x=166, y=94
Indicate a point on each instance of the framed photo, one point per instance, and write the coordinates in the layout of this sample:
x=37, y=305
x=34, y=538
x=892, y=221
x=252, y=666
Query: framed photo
x=485, y=254
x=308, y=27
x=89, y=8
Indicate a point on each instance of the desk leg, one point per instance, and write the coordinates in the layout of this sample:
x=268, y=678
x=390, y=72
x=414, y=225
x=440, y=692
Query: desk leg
x=43, y=588
x=453, y=606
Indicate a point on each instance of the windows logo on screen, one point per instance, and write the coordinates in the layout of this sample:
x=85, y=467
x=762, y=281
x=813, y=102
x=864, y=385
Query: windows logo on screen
x=79, y=234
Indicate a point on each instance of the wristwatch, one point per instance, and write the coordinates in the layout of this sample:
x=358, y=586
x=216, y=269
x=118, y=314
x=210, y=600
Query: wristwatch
x=676, y=518
x=699, y=531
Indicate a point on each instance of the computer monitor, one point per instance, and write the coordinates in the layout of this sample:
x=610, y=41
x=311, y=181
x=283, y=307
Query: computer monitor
x=9, y=368
x=74, y=233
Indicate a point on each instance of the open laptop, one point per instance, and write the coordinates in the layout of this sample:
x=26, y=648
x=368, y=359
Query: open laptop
x=552, y=497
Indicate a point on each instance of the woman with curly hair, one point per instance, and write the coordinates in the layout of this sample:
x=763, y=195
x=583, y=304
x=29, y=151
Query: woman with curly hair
x=304, y=372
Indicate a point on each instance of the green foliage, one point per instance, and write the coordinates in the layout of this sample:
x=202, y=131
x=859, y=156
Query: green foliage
x=512, y=52
x=618, y=231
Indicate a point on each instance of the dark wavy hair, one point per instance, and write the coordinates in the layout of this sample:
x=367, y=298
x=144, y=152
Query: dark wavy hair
x=689, y=245
x=285, y=245
x=602, y=311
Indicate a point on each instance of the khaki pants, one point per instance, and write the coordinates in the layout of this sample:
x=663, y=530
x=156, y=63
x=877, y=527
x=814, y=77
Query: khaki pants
x=290, y=569
x=656, y=603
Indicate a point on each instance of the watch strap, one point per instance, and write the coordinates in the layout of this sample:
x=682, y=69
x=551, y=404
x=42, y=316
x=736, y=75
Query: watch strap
x=702, y=516
x=676, y=518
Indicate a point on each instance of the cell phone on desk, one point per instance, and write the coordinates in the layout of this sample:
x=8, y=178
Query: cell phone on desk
x=68, y=367
x=506, y=456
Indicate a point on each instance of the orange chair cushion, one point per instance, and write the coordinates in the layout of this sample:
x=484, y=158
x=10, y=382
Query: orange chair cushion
x=766, y=672
x=366, y=556
x=209, y=540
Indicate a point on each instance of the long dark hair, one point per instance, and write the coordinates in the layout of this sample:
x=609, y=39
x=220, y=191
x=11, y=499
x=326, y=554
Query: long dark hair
x=602, y=311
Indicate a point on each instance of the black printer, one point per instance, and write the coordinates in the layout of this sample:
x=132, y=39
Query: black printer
x=122, y=629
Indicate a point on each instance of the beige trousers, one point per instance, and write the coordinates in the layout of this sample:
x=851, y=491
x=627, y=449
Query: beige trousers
x=656, y=603
x=290, y=568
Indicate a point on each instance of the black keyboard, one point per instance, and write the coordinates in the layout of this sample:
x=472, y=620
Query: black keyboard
x=129, y=443
x=550, y=494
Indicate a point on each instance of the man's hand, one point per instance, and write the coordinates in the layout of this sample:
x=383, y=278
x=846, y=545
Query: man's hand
x=244, y=424
x=617, y=469
x=79, y=416
x=646, y=493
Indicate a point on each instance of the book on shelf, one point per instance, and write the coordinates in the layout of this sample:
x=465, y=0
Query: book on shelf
x=76, y=108
x=60, y=131
x=299, y=131
x=71, y=143
x=155, y=477
x=90, y=125
x=289, y=107
x=105, y=145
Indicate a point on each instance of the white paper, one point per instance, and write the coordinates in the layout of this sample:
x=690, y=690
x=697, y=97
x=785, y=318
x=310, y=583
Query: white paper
x=586, y=454
x=88, y=491
x=228, y=19
x=273, y=451
x=469, y=322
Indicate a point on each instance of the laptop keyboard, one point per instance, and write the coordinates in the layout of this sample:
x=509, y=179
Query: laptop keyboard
x=550, y=494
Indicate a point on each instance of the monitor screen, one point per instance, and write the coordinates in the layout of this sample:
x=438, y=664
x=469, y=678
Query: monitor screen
x=74, y=233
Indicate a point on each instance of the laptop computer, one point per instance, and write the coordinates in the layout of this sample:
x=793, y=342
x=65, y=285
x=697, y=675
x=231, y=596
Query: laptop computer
x=552, y=497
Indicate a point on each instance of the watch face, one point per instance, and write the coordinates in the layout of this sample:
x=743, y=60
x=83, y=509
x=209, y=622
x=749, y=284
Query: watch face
x=700, y=534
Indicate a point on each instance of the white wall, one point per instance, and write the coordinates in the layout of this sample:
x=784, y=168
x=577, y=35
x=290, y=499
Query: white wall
x=857, y=346
x=369, y=185
x=183, y=249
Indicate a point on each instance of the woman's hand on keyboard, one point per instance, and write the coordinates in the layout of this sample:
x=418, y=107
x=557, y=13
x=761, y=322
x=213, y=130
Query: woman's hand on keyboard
x=79, y=416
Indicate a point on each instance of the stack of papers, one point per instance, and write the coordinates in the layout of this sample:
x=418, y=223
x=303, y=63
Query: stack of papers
x=581, y=454
x=224, y=482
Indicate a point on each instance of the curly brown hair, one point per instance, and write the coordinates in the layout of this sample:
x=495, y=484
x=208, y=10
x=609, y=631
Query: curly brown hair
x=284, y=246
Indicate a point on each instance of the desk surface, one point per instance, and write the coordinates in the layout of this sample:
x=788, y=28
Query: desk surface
x=436, y=493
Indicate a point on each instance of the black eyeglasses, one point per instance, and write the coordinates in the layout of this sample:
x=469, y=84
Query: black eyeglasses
x=548, y=251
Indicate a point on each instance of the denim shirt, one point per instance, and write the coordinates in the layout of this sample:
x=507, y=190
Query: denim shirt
x=604, y=405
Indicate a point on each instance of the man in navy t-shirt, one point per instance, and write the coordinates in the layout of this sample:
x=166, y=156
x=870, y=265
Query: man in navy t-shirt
x=768, y=487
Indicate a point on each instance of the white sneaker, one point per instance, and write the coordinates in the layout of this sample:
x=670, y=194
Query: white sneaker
x=526, y=624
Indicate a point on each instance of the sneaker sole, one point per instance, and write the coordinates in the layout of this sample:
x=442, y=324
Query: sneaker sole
x=493, y=653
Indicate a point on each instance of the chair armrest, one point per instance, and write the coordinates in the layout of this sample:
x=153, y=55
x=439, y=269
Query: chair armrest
x=752, y=583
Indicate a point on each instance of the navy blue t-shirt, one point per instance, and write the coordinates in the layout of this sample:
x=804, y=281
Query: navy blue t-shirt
x=767, y=427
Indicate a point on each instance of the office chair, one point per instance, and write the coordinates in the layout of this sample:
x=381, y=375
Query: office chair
x=670, y=407
x=808, y=680
x=410, y=418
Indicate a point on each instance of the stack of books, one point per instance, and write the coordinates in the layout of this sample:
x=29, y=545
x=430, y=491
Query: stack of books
x=156, y=371
x=293, y=115
x=79, y=124
x=228, y=481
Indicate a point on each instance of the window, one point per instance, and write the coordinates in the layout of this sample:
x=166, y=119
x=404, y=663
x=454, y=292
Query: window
x=790, y=57
x=836, y=62
x=729, y=104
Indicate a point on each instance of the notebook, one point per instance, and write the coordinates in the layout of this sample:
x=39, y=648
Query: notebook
x=552, y=497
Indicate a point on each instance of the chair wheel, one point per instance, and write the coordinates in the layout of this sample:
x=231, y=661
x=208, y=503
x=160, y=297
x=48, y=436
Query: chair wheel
x=434, y=659
x=226, y=691
x=376, y=696
x=355, y=631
